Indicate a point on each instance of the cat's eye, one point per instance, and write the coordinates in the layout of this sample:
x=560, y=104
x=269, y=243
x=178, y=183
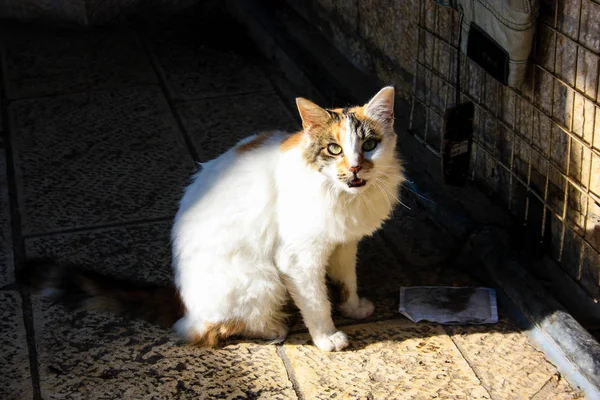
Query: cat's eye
x=334, y=149
x=369, y=145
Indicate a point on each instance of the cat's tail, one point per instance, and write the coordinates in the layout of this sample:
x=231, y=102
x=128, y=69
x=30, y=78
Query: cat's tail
x=75, y=287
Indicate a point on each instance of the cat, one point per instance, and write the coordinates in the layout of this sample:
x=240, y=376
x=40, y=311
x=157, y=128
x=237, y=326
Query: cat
x=274, y=214
x=269, y=218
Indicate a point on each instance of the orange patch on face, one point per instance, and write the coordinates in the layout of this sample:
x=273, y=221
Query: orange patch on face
x=359, y=112
x=366, y=164
x=254, y=143
x=216, y=332
x=343, y=167
x=291, y=141
x=337, y=132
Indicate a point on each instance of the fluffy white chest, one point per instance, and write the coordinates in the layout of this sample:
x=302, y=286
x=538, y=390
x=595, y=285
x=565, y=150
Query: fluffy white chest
x=310, y=208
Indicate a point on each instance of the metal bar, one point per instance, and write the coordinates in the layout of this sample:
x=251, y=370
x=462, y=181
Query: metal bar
x=535, y=62
x=573, y=135
x=583, y=187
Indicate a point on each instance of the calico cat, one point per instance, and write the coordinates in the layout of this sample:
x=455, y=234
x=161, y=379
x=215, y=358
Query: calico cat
x=270, y=218
x=275, y=213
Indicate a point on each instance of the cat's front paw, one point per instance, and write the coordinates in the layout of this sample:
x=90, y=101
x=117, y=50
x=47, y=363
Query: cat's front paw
x=336, y=342
x=364, y=309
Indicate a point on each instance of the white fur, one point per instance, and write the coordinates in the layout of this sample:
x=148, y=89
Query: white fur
x=255, y=226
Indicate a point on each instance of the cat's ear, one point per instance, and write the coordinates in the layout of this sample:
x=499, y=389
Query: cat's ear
x=312, y=115
x=381, y=107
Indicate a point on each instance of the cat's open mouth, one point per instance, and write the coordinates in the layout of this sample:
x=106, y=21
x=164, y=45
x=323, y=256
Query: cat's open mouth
x=357, y=182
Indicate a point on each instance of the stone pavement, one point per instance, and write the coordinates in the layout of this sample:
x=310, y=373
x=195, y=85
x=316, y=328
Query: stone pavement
x=100, y=132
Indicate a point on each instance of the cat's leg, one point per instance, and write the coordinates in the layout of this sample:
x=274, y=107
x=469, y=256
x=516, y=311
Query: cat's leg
x=342, y=269
x=303, y=273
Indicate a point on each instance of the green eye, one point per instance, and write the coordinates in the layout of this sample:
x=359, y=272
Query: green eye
x=334, y=149
x=369, y=145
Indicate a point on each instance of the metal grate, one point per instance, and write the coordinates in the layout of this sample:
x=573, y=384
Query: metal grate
x=537, y=149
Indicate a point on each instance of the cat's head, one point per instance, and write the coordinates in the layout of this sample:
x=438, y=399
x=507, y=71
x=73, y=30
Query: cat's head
x=353, y=147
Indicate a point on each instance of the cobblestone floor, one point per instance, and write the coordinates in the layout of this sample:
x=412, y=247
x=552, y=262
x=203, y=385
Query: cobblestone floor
x=100, y=131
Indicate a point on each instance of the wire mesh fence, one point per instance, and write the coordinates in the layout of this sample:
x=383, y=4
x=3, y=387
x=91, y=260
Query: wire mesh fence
x=537, y=148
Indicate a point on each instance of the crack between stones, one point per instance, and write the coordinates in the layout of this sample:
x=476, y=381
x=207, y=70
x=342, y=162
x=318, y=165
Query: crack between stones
x=17, y=240
x=290, y=371
x=487, y=390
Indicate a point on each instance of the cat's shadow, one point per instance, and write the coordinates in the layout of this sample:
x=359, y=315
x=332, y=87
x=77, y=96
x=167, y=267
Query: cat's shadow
x=385, y=325
x=376, y=334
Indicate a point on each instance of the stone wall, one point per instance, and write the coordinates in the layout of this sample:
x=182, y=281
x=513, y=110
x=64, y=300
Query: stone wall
x=537, y=149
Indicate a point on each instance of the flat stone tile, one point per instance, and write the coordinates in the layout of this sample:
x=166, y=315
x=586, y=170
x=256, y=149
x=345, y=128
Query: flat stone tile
x=215, y=125
x=201, y=58
x=14, y=355
x=377, y=268
x=417, y=239
x=504, y=359
x=99, y=356
x=138, y=252
x=557, y=388
x=7, y=270
x=44, y=61
x=96, y=158
x=386, y=360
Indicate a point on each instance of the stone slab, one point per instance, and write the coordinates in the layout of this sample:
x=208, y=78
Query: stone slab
x=417, y=240
x=137, y=252
x=201, y=57
x=15, y=376
x=387, y=360
x=98, y=356
x=507, y=363
x=97, y=158
x=214, y=125
x=42, y=61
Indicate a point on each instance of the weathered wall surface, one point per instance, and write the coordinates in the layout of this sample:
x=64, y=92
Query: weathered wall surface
x=537, y=149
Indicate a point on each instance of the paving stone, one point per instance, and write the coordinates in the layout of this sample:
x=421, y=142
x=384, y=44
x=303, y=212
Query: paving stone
x=43, y=61
x=90, y=159
x=417, y=239
x=557, y=388
x=377, y=267
x=202, y=58
x=215, y=125
x=14, y=355
x=505, y=361
x=386, y=360
x=98, y=356
x=137, y=252
x=6, y=252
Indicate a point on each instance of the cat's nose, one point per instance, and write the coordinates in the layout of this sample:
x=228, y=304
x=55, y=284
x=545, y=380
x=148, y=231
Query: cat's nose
x=355, y=169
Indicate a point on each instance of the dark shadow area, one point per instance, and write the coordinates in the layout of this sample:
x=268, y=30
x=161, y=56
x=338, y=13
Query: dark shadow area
x=103, y=127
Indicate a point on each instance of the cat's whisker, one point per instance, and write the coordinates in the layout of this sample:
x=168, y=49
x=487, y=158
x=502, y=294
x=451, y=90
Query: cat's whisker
x=417, y=194
x=370, y=207
x=389, y=174
x=384, y=193
x=392, y=194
